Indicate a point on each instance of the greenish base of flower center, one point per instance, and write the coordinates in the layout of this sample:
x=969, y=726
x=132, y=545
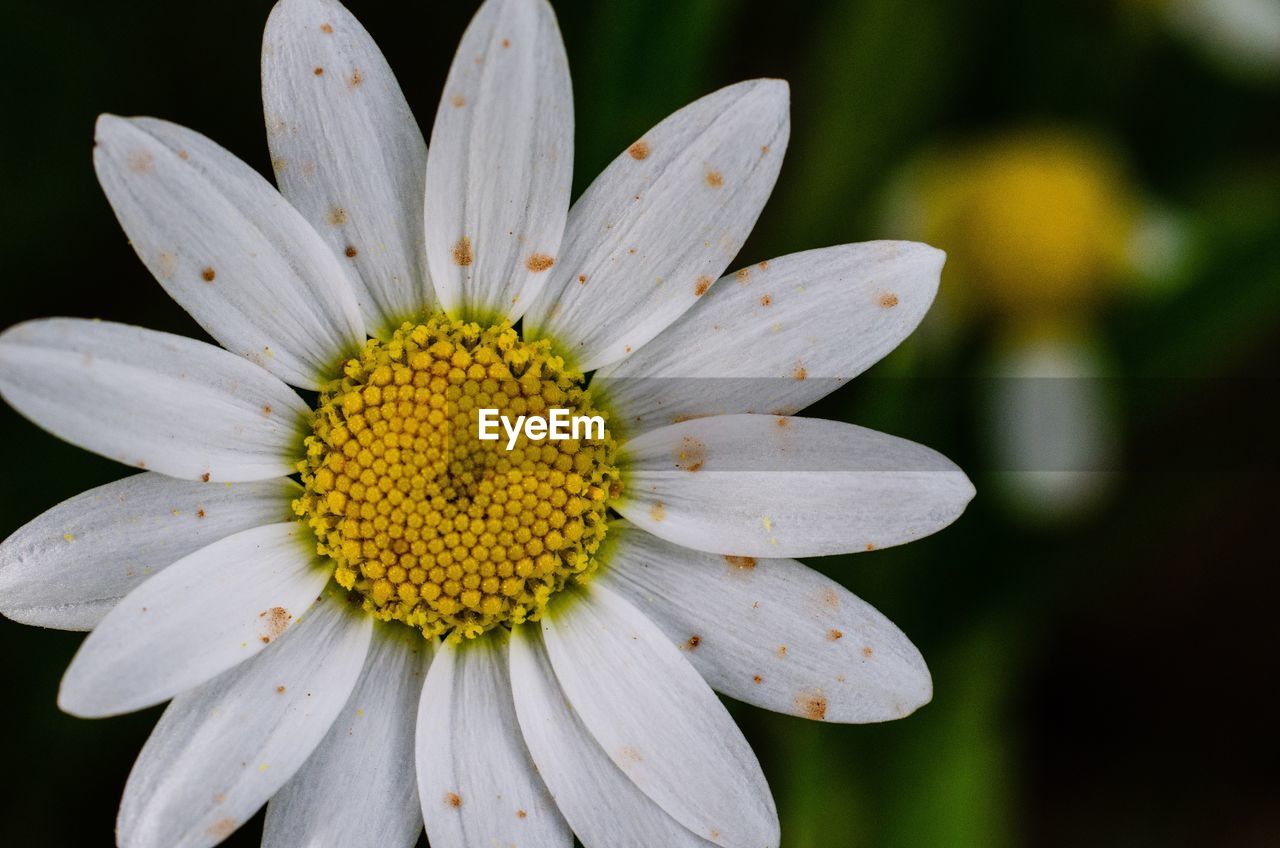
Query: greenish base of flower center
x=434, y=527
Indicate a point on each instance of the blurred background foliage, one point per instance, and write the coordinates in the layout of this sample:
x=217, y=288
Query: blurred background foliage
x=1105, y=176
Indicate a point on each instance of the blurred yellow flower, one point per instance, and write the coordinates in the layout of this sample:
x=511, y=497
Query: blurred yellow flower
x=1033, y=223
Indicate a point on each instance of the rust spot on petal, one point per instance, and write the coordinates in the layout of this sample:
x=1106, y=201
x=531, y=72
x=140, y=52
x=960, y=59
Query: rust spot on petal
x=868, y=651
x=658, y=511
x=834, y=635
x=830, y=597
x=701, y=286
x=539, y=262
x=204, y=478
x=870, y=546
x=766, y=300
x=782, y=651
x=351, y=252
x=639, y=150
x=326, y=29
x=208, y=274
x=692, y=455
x=888, y=300
x=757, y=680
x=506, y=42
x=356, y=78
x=743, y=275
x=763, y=266
x=275, y=620
x=800, y=373
x=337, y=216
x=319, y=72
x=714, y=179
x=279, y=690
x=582, y=279
x=743, y=562
x=462, y=253
x=812, y=705
x=694, y=641
x=521, y=814
x=199, y=513
x=453, y=799
x=458, y=101
x=629, y=756
x=140, y=162
x=222, y=828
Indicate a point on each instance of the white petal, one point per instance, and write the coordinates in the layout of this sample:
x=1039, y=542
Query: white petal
x=501, y=162
x=828, y=314
x=657, y=719
x=648, y=237
x=196, y=619
x=764, y=485
x=477, y=782
x=771, y=632
x=220, y=751
x=70, y=565
x=152, y=400
x=228, y=248
x=359, y=787
x=602, y=805
x=348, y=153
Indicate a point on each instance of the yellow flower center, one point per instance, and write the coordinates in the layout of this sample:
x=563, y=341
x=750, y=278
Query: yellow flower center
x=433, y=526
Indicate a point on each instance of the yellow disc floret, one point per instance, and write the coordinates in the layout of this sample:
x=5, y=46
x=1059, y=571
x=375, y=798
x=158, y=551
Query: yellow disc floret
x=435, y=527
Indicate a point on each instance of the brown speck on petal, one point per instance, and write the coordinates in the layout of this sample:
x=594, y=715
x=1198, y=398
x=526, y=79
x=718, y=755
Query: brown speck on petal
x=266, y=410
x=582, y=279
x=356, y=78
x=521, y=814
x=538, y=262
x=658, y=511
x=208, y=274
x=140, y=161
x=782, y=651
x=204, y=478
x=182, y=154
x=758, y=679
x=319, y=72
x=764, y=148
x=701, y=286
x=870, y=546
x=694, y=641
x=830, y=597
x=337, y=216
x=868, y=651
x=453, y=799
x=279, y=690
x=763, y=266
x=506, y=42
x=351, y=251
x=743, y=275
x=458, y=101
x=275, y=620
x=692, y=455
x=327, y=29
x=714, y=179
x=743, y=562
x=639, y=150
x=199, y=513
x=834, y=635
x=462, y=253
x=629, y=755
x=766, y=300
x=888, y=300
x=800, y=373
x=812, y=705
x=222, y=828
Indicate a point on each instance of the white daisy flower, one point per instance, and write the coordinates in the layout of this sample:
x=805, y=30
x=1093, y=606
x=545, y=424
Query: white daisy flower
x=408, y=630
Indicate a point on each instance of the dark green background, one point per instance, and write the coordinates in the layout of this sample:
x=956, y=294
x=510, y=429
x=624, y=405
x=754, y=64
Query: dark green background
x=1103, y=682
